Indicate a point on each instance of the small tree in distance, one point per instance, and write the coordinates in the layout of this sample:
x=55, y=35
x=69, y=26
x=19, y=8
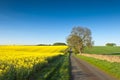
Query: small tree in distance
x=110, y=44
x=79, y=38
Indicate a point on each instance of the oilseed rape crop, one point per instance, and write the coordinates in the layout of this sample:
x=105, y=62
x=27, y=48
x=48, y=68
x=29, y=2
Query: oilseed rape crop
x=19, y=62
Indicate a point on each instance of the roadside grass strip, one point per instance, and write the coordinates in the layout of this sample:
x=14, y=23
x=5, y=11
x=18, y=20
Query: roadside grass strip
x=62, y=70
x=111, y=68
x=47, y=71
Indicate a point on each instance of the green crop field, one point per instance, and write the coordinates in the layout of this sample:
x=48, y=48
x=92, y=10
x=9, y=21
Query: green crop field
x=103, y=50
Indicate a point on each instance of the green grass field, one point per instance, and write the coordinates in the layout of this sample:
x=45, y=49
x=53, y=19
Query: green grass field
x=103, y=50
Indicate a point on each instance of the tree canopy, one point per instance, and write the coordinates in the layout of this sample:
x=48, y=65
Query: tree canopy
x=79, y=38
x=110, y=44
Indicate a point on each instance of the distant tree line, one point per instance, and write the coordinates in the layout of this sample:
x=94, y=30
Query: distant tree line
x=110, y=44
x=54, y=44
x=58, y=43
x=43, y=45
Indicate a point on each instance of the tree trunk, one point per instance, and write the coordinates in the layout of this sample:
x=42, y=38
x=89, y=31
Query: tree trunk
x=80, y=51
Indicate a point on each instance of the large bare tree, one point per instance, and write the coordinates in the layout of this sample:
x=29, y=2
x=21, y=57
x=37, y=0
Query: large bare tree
x=79, y=38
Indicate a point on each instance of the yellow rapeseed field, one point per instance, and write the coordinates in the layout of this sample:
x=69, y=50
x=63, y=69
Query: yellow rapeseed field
x=20, y=61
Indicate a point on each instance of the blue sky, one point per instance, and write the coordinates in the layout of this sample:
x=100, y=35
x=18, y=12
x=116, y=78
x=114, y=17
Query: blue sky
x=49, y=21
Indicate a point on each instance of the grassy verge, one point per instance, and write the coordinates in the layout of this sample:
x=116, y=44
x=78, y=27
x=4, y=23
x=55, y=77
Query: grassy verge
x=57, y=69
x=111, y=68
x=62, y=70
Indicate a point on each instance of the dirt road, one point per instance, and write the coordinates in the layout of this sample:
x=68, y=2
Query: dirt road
x=81, y=70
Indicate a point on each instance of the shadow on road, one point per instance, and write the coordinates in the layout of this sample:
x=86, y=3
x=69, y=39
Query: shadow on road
x=79, y=74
